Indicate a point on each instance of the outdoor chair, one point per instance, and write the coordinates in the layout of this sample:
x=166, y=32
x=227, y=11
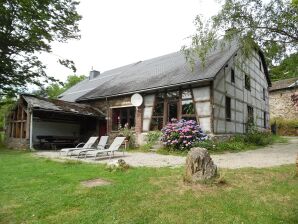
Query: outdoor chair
x=113, y=148
x=86, y=145
x=100, y=146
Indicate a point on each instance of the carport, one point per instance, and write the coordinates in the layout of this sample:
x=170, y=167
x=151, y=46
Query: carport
x=42, y=123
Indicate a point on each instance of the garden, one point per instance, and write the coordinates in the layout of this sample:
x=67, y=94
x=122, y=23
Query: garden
x=178, y=136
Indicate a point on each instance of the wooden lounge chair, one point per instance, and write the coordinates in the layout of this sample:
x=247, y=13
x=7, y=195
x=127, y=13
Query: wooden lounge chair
x=100, y=146
x=87, y=145
x=113, y=148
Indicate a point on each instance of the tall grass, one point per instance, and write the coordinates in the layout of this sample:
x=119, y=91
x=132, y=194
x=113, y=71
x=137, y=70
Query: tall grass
x=251, y=140
x=286, y=127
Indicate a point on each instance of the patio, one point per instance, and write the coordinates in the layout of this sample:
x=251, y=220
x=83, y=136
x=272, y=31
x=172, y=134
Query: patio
x=273, y=155
x=135, y=159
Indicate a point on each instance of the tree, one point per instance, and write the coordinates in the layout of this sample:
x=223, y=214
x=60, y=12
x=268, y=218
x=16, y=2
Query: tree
x=27, y=28
x=55, y=89
x=288, y=68
x=272, y=26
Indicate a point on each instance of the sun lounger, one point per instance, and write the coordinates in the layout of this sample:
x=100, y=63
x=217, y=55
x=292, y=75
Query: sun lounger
x=113, y=148
x=86, y=145
x=100, y=146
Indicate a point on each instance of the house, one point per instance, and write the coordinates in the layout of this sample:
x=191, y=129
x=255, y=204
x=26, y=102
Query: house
x=223, y=96
x=283, y=99
x=38, y=122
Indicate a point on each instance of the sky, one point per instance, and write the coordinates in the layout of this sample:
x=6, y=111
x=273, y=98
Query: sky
x=115, y=33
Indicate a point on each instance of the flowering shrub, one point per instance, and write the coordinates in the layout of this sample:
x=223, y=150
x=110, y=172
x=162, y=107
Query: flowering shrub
x=182, y=134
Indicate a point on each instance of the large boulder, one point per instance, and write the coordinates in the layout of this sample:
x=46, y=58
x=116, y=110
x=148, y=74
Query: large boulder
x=199, y=165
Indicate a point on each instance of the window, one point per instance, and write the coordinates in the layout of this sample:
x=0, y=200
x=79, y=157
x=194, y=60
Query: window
x=157, y=116
x=173, y=104
x=264, y=93
x=228, y=108
x=232, y=76
x=265, y=119
x=247, y=82
x=250, y=114
x=260, y=65
x=123, y=117
x=187, y=106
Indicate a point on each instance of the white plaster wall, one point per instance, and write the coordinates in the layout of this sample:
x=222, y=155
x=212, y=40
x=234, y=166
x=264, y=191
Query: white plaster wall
x=54, y=128
x=240, y=97
x=148, y=110
x=203, y=107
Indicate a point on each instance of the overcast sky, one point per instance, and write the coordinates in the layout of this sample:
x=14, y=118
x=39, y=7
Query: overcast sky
x=116, y=33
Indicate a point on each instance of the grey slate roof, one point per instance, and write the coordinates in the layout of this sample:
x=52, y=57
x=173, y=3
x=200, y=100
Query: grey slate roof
x=284, y=84
x=161, y=72
x=39, y=103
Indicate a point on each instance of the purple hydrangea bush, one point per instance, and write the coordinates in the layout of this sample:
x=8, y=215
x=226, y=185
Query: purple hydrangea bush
x=182, y=134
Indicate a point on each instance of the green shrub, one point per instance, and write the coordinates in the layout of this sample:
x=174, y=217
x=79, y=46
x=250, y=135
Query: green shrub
x=286, y=127
x=258, y=138
x=153, y=137
x=129, y=134
x=251, y=140
x=2, y=138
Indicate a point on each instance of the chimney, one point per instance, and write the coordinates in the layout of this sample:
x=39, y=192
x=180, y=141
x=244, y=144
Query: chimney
x=93, y=74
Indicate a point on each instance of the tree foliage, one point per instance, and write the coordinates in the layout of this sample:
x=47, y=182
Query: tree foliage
x=27, y=28
x=52, y=91
x=272, y=26
x=288, y=68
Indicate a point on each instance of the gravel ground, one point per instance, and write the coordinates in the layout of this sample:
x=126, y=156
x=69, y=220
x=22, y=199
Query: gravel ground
x=275, y=155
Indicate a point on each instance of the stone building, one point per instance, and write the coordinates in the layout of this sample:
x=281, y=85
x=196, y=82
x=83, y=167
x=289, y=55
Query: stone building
x=283, y=99
x=222, y=96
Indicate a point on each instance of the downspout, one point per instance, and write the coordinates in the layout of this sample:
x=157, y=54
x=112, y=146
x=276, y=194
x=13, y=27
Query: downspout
x=31, y=131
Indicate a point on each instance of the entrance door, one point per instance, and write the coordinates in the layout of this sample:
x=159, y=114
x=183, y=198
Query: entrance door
x=172, y=110
x=102, y=128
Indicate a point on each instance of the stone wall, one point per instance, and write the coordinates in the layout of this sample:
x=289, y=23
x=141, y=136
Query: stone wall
x=281, y=104
x=17, y=143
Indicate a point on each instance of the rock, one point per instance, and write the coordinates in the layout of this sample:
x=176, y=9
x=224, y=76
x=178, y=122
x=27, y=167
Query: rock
x=199, y=165
x=118, y=165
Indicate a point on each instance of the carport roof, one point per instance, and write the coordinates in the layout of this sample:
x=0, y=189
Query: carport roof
x=60, y=106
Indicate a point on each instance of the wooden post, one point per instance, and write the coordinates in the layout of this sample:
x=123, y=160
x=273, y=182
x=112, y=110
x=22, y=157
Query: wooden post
x=31, y=131
x=28, y=124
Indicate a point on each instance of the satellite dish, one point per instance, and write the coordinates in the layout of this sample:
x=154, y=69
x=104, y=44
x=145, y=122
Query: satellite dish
x=136, y=99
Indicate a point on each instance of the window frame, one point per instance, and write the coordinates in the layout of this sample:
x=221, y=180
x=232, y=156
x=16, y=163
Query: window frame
x=247, y=82
x=128, y=117
x=194, y=115
x=163, y=109
x=178, y=101
x=232, y=75
x=228, y=108
x=250, y=110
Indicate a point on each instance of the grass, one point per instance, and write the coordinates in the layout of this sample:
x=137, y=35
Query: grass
x=35, y=190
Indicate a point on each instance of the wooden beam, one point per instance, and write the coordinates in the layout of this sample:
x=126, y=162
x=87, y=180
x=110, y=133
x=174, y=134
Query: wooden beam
x=28, y=125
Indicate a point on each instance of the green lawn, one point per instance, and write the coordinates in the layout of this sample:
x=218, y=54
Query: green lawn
x=34, y=190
